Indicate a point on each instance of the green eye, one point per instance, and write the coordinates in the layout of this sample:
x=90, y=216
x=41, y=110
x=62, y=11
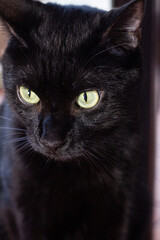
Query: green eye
x=28, y=96
x=88, y=99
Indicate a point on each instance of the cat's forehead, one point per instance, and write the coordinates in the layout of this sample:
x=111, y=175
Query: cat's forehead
x=61, y=43
x=65, y=28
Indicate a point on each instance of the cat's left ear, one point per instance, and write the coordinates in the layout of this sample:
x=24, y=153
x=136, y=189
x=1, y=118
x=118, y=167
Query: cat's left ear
x=125, y=31
x=14, y=16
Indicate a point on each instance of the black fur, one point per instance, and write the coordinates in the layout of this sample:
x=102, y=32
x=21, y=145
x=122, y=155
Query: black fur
x=66, y=172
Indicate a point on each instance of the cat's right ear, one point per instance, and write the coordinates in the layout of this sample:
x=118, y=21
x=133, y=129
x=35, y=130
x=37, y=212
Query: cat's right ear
x=13, y=15
x=125, y=31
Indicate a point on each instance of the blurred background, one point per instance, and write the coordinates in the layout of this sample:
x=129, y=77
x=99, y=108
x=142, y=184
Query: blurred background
x=151, y=108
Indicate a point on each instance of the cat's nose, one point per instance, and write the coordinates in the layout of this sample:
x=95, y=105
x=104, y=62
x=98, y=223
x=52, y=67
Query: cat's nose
x=53, y=131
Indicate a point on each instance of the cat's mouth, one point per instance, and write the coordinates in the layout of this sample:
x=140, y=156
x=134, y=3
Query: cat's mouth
x=58, y=155
x=68, y=150
x=63, y=152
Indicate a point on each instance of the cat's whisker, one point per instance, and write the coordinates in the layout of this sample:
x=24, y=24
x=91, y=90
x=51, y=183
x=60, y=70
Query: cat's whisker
x=94, y=56
x=10, y=128
x=90, y=161
x=111, y=161
x=103, y=51
x=94, y=163
x=9, y=119
x=83, y=164
x=102, y=148
x=22, y=145
x=14, y=140
x=104, y=172
x=29, y=151
x=103, y=167
x=104, y=157
x=78, y=161
x=48, y=161
x=11, y=134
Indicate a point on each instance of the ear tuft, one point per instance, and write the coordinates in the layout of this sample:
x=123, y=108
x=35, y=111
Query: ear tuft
x=4, y=38
x=126, y=29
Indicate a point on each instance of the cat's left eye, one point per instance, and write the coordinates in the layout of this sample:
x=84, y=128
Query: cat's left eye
x=27, y=96
x=88, y=99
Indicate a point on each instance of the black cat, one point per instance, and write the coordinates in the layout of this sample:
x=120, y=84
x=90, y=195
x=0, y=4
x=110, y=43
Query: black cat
x=70, y=123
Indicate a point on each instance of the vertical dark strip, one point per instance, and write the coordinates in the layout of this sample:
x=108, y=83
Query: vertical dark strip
x=155, y=117
x=148, y=42
x=148, y=56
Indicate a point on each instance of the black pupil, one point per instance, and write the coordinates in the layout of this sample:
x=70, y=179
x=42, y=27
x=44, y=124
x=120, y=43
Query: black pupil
x=29, y=92
x=85, y=96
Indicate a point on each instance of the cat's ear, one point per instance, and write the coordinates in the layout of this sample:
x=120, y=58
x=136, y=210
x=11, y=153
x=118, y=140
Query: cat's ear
x=126, y=29
x=13, y=15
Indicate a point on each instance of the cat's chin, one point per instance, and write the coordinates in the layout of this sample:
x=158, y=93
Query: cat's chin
x=64, y=153
x=59, y=155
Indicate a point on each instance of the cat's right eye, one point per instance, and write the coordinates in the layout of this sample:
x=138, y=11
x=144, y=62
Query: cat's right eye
x=27, y=96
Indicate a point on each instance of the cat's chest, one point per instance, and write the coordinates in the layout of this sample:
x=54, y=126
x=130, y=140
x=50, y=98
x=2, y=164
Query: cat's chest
x=61, y=198
x=63, y=194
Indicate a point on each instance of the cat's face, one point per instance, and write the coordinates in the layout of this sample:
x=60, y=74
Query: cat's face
x=72, y=76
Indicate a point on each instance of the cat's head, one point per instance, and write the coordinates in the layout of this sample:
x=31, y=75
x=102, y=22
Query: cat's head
x=72, y=75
